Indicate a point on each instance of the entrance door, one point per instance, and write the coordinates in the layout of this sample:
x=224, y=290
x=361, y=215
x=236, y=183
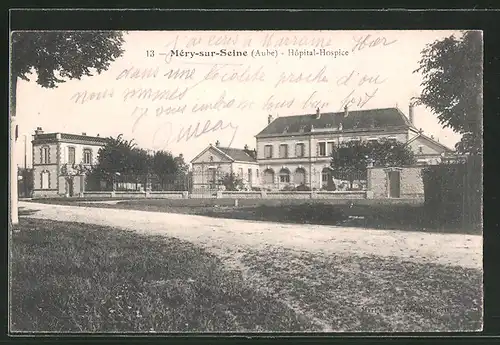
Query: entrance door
x=394, y=184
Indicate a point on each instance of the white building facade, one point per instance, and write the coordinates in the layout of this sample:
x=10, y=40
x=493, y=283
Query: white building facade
x=59, y=160
x=296, y=150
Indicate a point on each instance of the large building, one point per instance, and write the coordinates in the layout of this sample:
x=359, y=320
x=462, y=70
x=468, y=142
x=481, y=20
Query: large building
x=59, y=159
x=296, y=150
x=214, y=162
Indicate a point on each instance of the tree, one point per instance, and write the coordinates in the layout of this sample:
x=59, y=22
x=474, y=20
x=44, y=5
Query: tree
x=231, y=182
x=55, y=57
x=351, y=159
x=164, y=166
x=452, y=73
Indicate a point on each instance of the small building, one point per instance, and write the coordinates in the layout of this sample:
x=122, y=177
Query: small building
x=214, y=162
x=60, y=161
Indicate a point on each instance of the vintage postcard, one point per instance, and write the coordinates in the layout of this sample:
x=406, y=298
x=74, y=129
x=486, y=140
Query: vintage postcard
x=246, y=181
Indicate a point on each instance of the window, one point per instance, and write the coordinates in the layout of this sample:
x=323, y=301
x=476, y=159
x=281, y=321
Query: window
x=269, y=176
x=299, y=150
x=257, y=172
x=45, y=155
x=240, y=172
x=284, y=176
x=268, y=151
x=87, y=156
x=71, y=155
x=322, y=149
x=331, y=147
x=249, y=174
x=45, y=177
x=325, y=175
x=300, y=176
x=283, y=151
x=420, y=149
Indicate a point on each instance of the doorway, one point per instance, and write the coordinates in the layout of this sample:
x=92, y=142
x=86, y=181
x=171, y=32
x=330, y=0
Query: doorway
x=394, y=184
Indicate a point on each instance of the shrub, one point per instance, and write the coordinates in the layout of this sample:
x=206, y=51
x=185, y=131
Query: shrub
x=303, y=188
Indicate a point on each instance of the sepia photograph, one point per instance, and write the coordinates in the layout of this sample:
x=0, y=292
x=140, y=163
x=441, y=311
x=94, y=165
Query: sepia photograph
x=245, y=181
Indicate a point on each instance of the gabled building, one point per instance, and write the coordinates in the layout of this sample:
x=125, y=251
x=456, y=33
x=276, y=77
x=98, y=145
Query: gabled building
x=215, y=161
x=57, y=156
x=296, y=150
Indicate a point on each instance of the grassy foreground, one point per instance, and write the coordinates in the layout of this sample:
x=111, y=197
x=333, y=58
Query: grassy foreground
x=71, y=277
x=373, y=294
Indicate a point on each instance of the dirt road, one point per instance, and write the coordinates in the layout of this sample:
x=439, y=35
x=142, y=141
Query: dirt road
x=226, y=236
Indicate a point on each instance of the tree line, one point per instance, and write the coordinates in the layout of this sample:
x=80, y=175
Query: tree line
x=121, y=160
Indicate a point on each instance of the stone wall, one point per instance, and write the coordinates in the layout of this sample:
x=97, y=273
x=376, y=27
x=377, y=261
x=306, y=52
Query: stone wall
x=411, y=182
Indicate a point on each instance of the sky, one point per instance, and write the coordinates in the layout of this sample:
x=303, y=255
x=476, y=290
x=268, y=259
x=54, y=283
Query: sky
x=164, y=97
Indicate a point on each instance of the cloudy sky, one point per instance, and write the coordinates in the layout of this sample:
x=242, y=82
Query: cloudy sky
x=159, y=100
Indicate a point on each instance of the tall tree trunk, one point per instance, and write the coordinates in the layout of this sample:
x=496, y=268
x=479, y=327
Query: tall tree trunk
x=13, y=197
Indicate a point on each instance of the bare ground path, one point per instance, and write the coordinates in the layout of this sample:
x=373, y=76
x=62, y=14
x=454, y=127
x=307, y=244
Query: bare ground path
x=234, y=240
x=226, y=236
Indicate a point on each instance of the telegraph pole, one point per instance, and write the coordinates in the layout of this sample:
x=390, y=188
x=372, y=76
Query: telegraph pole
x=25, y=152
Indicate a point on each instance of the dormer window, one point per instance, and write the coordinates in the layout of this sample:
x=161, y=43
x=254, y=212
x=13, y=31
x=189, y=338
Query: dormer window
x=301, y=129
x=286, y=129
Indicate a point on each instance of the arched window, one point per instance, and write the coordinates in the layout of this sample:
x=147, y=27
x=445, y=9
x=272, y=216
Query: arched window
x=284, y=175
x=326, y=176
x=45, y=179
x=268, y=176
x=300, y=176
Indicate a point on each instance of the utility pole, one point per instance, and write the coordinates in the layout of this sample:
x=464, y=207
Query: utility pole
x=25, y=152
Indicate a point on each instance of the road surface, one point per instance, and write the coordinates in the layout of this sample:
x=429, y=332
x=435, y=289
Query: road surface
x=224, y=237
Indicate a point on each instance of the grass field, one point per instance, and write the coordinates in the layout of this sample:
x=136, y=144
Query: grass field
x=373, y=214
x=72, y=277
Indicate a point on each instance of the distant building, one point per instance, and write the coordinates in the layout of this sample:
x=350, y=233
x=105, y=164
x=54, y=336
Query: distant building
x=59, y=155
x=214, y=162
x=296, y=150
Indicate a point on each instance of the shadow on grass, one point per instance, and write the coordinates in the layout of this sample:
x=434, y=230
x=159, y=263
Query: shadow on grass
x=72, y=277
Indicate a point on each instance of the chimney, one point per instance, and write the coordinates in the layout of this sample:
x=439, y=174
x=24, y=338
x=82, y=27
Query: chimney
x=38, y=131
x=97, y=134
x=246, y=147
x=318, y=113
x=410, y=114
x=83, y=133
x=269, y=119
x=346, y=111
x=217, y=143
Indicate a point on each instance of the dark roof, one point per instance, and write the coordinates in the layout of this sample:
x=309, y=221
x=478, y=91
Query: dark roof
x=239, y=154
x=357, y=120
x=72, y=137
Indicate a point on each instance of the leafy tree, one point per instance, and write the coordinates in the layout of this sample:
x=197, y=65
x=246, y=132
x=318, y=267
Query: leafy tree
x=164, y=167
x=56, y=57
x=452, y=73
x=231, y=182
x=351, y=159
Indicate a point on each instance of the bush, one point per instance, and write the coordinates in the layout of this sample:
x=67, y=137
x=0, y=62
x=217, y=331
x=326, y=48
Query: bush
x=303, y=188
x=288, y=188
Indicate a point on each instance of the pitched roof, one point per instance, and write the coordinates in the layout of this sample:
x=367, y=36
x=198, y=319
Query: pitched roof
x=239, y=155
x=426, y=138
x=357, y=120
